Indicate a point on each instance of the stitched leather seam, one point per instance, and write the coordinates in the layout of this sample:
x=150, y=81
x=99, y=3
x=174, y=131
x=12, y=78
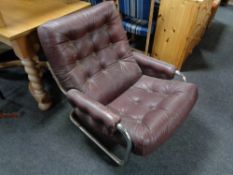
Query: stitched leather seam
x=153, y=91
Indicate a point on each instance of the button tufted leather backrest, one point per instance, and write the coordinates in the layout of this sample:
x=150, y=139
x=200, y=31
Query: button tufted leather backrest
x=89, y=51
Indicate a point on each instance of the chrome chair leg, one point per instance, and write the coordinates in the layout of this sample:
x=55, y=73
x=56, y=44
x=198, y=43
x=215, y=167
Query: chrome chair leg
x=120, y=128
x=177, y=72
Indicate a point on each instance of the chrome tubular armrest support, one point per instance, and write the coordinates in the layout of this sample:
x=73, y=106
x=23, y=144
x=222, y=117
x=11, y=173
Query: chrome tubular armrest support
x=178, y=73
x=128, y=140
x=120, y=128
x=55, y=78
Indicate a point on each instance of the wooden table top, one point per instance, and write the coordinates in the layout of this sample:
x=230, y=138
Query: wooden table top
x=18, y=17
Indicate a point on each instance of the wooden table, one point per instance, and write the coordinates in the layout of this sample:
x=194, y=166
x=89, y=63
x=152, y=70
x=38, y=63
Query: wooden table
x=18, y=20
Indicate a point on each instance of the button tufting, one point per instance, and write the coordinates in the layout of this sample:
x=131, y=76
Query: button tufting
x=152, y=107
x=88, y=75
x=136, y=99
x=136, y=102
x=149, y=90
x=120, y=54
x=102, y=65
x=94, y=54
x=104, y=71
x=111, y=45
x=90, y=79
x=122, y=110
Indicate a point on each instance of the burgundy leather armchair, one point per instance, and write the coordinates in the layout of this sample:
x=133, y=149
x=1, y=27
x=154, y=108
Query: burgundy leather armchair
x=119, y=96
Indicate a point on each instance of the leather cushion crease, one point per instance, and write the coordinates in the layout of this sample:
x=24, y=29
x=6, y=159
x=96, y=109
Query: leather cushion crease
x=107, y=82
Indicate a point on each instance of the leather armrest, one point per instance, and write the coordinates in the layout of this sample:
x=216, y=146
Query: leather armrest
x=154, y=67
x=93, y=108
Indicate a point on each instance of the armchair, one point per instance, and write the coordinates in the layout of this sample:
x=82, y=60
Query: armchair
x=119, y=96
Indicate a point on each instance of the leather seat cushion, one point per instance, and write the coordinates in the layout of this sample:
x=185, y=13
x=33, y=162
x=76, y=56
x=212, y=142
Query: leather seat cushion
x=152, y=109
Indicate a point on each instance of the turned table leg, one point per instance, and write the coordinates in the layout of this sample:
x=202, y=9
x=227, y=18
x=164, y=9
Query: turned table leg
x=2, y=22
x=24, y=51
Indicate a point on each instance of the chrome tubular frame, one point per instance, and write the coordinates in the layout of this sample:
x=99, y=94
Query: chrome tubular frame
x=178, y=73
x=120, y=128
x=55, y=78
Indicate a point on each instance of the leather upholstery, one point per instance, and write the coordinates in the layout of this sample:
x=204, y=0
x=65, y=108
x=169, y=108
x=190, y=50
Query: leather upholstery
x=107, y=83
x=153, y=67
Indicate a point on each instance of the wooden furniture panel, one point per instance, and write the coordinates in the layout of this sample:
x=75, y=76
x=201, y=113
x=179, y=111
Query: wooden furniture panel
x=180, y=26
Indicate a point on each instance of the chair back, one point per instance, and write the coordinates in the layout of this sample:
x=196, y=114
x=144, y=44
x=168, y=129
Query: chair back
x=139, y=9
x=89, y=51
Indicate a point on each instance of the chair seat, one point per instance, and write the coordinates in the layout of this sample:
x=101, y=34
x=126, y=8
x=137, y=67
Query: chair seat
x=152, y=109
x=137, y=27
